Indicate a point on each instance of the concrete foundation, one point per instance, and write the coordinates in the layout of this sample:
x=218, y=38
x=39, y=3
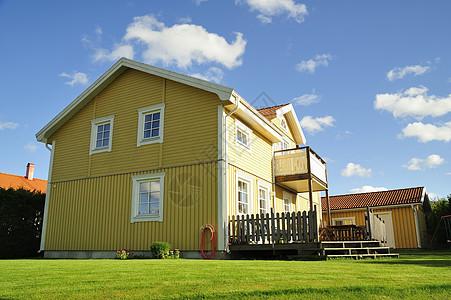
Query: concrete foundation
x=65, y=254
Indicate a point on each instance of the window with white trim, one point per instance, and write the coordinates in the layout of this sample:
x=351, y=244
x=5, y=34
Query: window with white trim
x=101, y=135
x=150, y=124
x=287, y=200
x=147, y=197
x=244, y=193
x=284, y=145
x=343, y=221
x=262, y=200
x=243, y=135
x=263, y=197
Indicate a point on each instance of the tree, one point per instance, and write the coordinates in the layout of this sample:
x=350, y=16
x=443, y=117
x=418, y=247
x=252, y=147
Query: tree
x=21, y=214
x=440, y=208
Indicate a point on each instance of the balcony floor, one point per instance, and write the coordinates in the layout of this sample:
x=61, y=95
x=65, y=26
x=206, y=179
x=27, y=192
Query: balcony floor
x=299, y=182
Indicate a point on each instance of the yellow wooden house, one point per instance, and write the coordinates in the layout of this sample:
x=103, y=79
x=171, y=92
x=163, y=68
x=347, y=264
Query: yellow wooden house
x=402, y=210
x=145, y=154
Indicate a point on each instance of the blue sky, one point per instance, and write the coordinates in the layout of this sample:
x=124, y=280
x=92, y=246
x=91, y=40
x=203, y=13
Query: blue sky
x=370, y=80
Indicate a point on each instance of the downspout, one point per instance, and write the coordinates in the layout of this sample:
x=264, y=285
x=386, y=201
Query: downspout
x=417, y=226
x=226, y=171
x=46, y=205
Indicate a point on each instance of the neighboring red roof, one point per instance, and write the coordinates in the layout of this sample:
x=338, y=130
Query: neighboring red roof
x=270, y=111
x=14, y=181
x=392, y=197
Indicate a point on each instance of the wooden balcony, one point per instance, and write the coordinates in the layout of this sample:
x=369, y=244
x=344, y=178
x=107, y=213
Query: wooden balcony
x=300, y=169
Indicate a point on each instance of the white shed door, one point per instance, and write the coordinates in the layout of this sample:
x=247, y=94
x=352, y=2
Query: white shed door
x=387, y=218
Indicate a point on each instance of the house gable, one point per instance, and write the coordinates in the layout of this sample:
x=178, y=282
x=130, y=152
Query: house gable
x=223, y=93
x=190, y=128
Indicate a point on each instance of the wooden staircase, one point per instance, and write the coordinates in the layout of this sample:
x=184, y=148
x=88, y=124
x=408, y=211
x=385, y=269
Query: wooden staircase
x=342, y=249
x=355, y=250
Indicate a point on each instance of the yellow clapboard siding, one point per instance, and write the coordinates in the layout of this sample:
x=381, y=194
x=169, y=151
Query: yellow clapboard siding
x=261, y=152
x=190, y=128
x=299, y=202
x=94, y=214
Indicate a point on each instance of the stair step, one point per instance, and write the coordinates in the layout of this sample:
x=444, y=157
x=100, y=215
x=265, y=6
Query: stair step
x=350, y=244
x=358, y=256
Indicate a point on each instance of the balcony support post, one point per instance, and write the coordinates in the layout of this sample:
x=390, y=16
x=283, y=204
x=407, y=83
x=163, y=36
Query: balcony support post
x=328, y=209
x=309, y=170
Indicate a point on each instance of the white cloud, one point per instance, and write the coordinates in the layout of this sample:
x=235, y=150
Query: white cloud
x=98, y=31
x=31, y=147
x=355, y=170
x=432, y=161
x=367, y=189
x=313, y=125
x=183, y=44
x=428, y=132
x=118, y=51
x=199, y=2
x=8, y=125
x=399, y=73
x=213, y=74
x=76, y=77
x=185, y=20
x=433, y=196
x=270, y=8
x=311, y=64
x=307, y=99
x=413, y=102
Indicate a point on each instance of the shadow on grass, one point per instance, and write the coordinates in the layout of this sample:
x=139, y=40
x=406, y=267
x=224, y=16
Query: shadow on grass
x=418, y=262
x=437, y=291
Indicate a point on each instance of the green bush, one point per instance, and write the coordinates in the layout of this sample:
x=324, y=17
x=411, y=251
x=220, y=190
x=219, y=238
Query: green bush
x=160, y=250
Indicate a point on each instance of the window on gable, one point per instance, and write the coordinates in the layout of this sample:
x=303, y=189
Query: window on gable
x=283, y=123
x=150, y=124
x=101, y=135
x=147, y=198
x=243, y=136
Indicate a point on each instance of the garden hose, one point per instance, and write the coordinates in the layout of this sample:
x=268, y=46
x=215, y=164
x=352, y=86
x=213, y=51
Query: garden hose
x=212, y=239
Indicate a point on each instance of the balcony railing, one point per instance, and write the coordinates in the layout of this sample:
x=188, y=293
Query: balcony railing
x=299, y=161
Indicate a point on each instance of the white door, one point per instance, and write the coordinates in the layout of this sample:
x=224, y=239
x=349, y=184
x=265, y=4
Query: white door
x=387, y=218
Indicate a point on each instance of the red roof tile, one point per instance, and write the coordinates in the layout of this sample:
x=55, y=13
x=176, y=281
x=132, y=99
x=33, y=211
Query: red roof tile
x=14, y=181
x=392, y=197
x=270, y=111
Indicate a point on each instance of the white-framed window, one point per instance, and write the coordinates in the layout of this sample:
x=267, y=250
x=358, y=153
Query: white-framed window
x=147, y=197
x=244, y=193
x=263, y=197
x=284, y=145
x=150, y=124
x=283, y=123
x=101, y=135
x=243, y=135
x=343, y=221
x=287, y=201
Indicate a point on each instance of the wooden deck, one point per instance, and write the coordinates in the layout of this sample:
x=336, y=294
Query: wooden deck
x=313, y=251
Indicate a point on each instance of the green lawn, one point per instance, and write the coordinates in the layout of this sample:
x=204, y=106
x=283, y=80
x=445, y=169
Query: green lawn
x=415, y=275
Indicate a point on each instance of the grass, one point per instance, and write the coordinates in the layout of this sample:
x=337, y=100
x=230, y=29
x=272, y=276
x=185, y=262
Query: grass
x=415, y=275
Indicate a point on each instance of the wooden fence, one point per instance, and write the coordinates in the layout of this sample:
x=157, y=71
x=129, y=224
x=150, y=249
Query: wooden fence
x=343, y=233
x=274, y=228
x=375, y=227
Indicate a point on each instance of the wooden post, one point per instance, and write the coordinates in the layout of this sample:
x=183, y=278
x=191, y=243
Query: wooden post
x=309, y=170
x=329, y=221
x=369, y=222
